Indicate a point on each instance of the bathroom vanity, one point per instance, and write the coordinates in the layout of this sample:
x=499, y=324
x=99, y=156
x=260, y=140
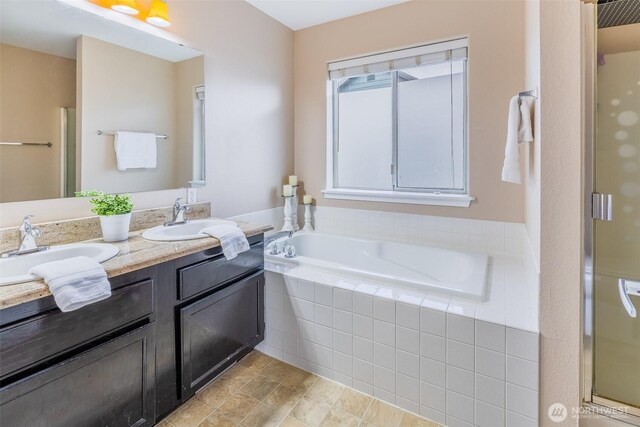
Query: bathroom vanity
x=168, y=329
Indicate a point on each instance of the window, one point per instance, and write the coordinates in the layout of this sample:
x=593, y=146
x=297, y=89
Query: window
x=397, y=126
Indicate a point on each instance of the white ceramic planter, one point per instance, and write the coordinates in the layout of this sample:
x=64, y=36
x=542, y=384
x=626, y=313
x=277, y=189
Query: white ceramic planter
x=115, y=228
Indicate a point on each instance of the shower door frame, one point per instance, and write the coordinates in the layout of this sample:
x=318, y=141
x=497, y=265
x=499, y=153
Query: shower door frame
x=597, y=404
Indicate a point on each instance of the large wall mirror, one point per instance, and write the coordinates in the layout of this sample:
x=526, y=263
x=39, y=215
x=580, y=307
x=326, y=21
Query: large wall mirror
x=70, y=81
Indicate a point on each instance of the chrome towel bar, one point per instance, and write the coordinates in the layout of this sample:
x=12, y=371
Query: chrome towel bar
x=104, y=132
x=41, y=144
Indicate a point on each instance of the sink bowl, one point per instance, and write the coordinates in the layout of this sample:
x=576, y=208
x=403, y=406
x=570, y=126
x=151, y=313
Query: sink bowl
x=16, y=269
x=189, y=231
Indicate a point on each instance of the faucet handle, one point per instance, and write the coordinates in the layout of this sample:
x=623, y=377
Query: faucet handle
x=26, y=223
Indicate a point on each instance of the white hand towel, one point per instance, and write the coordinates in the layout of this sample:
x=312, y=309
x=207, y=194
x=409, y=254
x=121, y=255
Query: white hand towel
x=519, y=129
x=232, y=239
x=135, y=150
x=74, y=282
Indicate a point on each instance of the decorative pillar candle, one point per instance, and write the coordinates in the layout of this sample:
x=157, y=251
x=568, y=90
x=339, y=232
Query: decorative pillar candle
x=307, y=199
x=293, y=180
x=307, y=215
x=294, y=205
x=287, y=190
x=288, y=225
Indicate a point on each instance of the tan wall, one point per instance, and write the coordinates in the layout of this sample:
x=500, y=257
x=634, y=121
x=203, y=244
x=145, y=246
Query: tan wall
x=496, y=72
x=625, y=38
x=249, y=111
x=560, y=205
x=33, y=87
x=531, y=154
x=122, y=89
x=189, y=74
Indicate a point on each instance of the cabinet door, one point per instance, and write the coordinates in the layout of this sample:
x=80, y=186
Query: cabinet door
x=219, y=329
x=109, y=385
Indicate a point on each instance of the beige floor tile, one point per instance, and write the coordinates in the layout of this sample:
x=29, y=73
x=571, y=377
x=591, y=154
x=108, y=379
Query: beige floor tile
x=338, y=418
x=217, y=420
x=291, y=422
x=238, y=406
x=284, y=398
x=297, y=378
x=383, y=415
x=216, y=393
x=264, y=416
x=190, y=414
x=163, y=423
x=259, y=387
x=277, y=370
x=310, y=412
x=325, y=391
x=353, y=402
x=411, y=420
x=239, y=375
x=256, y=360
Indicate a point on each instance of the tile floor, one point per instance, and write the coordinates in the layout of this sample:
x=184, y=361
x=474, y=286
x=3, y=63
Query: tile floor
x=262, y=391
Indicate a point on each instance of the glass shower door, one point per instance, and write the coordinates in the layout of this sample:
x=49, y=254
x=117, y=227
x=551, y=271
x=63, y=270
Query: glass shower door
x=616, y=243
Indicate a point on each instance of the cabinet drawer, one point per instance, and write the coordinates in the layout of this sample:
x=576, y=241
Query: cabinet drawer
x=109, y=385
x=45, y=336
x=218, y=328
x=217, y=271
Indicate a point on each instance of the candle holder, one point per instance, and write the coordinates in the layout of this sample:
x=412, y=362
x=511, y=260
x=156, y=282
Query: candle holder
x=307, y=218
x=294, y=208
x=288, y=224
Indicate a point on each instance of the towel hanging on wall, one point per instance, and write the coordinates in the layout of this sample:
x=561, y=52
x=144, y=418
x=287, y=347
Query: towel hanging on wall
x=519, y=130
x=135, y=150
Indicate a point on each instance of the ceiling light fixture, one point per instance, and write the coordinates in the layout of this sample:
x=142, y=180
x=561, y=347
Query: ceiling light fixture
x=129, y=7
x=158, y=14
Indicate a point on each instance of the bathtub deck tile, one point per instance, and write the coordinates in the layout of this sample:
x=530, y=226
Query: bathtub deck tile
x=436, y=302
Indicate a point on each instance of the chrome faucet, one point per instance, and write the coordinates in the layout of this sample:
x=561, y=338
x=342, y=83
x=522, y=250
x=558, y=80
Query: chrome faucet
x=178, y=213
x=28, y=235
x=272, y=239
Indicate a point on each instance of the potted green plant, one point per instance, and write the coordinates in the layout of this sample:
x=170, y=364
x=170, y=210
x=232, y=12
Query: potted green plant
x=114, y=211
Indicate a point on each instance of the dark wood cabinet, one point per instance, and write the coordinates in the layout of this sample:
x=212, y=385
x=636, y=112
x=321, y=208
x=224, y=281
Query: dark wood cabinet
x=109, y=385
x=131, y=359
x=220, y=328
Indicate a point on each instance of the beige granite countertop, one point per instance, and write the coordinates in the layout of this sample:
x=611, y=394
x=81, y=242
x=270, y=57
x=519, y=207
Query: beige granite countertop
x=135, y=253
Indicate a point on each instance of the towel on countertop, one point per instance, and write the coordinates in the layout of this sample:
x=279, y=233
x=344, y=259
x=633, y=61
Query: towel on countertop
x=232, y=239
x=74, y=282
x=519, y=129
x=135, y=150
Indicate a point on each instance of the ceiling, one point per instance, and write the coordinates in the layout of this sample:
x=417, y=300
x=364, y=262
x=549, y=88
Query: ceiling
x=52, y=26
x=299, y=14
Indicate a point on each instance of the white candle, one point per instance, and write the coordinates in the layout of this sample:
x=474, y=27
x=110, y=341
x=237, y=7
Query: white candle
x=293, y=180
x=287, y=191
x=307, y=199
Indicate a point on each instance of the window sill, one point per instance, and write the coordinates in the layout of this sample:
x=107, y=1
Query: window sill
x=443, y=199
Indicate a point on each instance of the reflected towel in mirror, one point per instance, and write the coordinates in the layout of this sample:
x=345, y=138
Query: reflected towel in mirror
x=135, y=150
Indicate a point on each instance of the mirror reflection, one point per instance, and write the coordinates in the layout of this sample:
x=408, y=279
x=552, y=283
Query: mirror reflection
x=81, y=110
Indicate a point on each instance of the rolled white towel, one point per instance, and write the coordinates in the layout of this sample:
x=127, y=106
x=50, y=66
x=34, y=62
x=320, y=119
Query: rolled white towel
x=232, y=239
x=74, y=282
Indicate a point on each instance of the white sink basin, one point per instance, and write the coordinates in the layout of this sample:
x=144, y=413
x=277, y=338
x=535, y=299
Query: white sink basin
x=16, y=269
x=189, y=231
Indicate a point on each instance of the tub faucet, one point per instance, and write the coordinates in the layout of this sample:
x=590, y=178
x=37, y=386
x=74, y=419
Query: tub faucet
x=272, y=239
x=28, y=236
x=178, y=213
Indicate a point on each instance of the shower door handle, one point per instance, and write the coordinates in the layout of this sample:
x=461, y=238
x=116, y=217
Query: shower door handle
x=626, y=288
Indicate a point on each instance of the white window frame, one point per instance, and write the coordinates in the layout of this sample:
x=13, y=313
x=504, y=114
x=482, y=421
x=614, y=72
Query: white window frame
x=435, y=198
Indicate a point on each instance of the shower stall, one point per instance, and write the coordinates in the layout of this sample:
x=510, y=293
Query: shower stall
x=612, y=202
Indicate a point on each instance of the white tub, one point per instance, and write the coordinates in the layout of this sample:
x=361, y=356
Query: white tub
x=425, y=268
